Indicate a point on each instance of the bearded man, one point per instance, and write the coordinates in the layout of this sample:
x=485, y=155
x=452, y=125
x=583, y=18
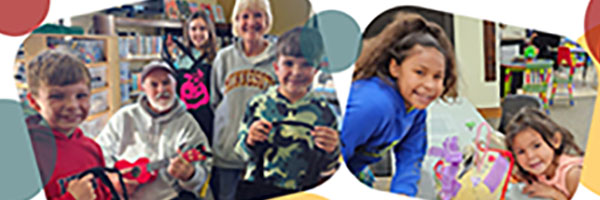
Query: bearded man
x=157, y=127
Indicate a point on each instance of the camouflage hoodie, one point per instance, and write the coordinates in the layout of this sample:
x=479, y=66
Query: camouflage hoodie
x=289, y=158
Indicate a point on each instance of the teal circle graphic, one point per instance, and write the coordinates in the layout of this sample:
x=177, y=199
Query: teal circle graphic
x=20, y=175
x=342, y=39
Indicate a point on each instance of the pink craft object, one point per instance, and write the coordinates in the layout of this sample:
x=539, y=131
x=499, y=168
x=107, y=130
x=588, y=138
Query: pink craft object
x=492, y=181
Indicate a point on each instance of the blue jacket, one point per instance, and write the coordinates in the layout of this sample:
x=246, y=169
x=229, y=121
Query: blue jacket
x=376, y=120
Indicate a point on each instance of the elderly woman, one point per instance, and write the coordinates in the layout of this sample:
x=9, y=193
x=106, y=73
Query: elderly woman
x=240, y=71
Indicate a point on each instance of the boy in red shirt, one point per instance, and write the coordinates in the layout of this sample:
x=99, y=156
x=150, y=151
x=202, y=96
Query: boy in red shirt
x=59, y=90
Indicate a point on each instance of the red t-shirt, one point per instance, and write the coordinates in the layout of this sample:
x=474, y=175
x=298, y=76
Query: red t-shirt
x=60, y=157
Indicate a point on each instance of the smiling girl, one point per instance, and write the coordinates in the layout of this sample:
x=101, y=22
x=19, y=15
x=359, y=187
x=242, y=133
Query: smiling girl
x=193, y=69
x=399, y=73
x=542, y=149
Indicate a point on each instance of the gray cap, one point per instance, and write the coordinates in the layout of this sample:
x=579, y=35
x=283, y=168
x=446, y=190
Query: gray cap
x=155, y=65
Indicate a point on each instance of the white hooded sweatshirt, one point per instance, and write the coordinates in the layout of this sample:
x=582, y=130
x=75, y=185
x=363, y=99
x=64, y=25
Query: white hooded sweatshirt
x=135, y=131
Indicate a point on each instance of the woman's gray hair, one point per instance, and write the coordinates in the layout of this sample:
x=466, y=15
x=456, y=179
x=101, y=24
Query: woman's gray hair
x=262, y=5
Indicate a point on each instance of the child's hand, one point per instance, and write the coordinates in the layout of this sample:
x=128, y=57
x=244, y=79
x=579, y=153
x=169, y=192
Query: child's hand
x=130, y=185
x=537, y=189
x=170, y=45
x=258, y=132
x=325, y=138
x=82, y=188
x=180, y=169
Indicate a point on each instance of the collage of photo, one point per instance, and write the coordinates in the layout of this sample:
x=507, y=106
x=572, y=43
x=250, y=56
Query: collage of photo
x=235, y=99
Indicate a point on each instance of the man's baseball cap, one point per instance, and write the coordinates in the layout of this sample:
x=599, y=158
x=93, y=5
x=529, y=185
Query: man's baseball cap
x=156, y=65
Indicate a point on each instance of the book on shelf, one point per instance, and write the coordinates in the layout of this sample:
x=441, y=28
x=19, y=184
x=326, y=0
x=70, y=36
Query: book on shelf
x=218, y=14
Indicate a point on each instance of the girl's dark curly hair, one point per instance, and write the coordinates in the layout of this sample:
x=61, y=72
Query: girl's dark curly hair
x=396, y=40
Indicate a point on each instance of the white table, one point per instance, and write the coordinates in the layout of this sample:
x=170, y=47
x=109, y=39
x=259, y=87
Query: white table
x=445, y=120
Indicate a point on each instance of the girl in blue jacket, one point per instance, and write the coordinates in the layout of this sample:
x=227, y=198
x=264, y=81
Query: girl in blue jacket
x=399, y=73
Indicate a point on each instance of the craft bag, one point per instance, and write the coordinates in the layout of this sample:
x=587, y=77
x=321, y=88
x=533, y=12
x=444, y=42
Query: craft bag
x=488, y=175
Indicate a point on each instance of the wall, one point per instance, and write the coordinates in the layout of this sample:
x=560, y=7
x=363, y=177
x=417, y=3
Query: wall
x=227, y=8
x=212, y=2
x=287, y=14
x=84, y=21
x=468, y=37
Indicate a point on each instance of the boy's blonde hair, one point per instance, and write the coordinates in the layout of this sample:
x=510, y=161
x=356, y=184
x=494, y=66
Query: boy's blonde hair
x=57, y=69
x=395, y=42
x=302, y=42
x=262, y=5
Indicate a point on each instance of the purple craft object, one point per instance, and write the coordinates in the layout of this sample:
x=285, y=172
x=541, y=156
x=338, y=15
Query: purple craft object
x=450, y=170
x=493, y=179
x=456, y=188
x=447, y=188
x=452, y=191
x=451, y=144
x=451, y=151
x=446, y=196
x=452, y=155
x=436, y=151
x=475, y=181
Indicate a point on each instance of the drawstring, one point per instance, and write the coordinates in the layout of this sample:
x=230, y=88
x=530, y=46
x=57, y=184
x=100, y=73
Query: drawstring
x=98, y=172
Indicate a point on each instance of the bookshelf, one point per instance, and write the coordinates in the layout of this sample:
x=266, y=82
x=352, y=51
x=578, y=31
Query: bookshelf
x=144, y=46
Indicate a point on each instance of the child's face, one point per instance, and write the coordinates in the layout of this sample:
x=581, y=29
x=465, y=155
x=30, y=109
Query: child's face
x=198, y=31
x=63, y=107
x=252, y=24
x=295, y=74
x=420, y=77
x=532, y=152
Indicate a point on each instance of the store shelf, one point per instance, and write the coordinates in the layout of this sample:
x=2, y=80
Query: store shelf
x=135, y=93
x=96, y=64
x=101, y=37
x=156, y=23
x=224, y=26
x=142, y=57
x=96, y=90
x=126, y=102
x=94, y=116
x=22, y=86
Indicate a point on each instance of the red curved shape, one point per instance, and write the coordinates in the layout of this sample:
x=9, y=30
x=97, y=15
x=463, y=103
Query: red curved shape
x=21, y=17
x=592, y=28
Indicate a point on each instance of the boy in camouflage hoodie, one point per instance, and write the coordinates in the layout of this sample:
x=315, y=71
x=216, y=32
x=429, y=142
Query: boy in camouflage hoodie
x=289, y=134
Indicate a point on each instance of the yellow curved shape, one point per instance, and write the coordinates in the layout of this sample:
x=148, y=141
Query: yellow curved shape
x=301, y=196
x=590, y=177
